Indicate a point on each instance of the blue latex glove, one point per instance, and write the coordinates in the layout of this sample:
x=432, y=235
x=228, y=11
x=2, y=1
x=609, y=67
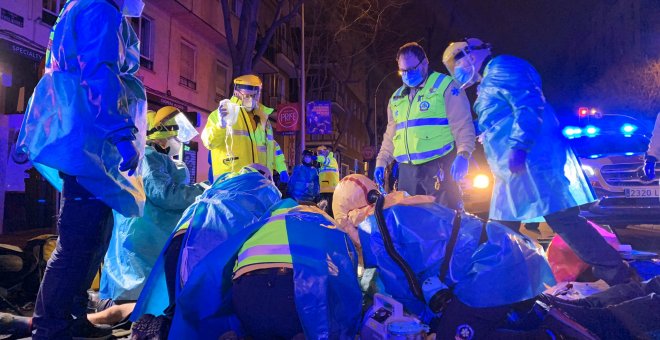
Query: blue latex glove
x=379, y=174
x=517, y=158
x=284, y=177
x=459, y=168
x=129, y=155
x=649, y=167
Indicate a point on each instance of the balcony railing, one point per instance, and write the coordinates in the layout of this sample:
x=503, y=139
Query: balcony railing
x=187, y=83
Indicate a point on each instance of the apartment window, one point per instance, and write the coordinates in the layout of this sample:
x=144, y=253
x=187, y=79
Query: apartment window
x=237, y=7
x=50, y=10
x=187, y=75
x=144, y=29
x=220, y=81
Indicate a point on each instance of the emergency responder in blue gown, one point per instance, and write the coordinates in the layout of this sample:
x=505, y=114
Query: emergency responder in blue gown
x=137, y=241
x=221, y=230
x=304, y=183
x=490, y=267
x=234, y=201
x=83, y=129
x=291, y=273
x=536, y=172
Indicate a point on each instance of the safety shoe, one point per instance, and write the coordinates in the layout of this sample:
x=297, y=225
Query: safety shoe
x=82, y=329
x=151, y=327
x=18, y=326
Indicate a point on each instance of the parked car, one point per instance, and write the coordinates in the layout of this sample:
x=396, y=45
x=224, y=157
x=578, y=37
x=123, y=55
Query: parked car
x=611, y=150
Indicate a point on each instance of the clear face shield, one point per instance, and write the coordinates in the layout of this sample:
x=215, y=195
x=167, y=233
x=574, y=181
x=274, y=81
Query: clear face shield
x=132, y=8
x=186, y=130
x=465, y=71
x=249, y=96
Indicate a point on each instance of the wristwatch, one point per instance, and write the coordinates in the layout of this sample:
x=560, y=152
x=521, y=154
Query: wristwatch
x=464, y=154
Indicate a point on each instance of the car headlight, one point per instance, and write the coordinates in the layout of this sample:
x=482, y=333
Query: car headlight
x=588, y=170
x=481, y=181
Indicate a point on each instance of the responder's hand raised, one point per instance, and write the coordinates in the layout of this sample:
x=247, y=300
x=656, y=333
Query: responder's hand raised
x=222, y=110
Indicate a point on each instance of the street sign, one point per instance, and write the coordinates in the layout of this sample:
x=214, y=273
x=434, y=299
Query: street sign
x=319, y=118
x=368, y=152
x=288, y=118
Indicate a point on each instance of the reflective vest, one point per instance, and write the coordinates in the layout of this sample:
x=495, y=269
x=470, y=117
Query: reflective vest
x=270, y=244
x=422, y=129
x=280, y=161
x=250, y=145
x=328, y=173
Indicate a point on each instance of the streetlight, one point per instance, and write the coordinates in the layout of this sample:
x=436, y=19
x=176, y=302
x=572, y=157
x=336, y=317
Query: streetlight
x=375, y=107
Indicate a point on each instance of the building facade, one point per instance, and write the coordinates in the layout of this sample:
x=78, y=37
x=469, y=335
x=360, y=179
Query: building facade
x=185, y=62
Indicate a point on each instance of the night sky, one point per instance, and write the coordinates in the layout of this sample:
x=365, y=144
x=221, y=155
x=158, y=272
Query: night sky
x=536, y=30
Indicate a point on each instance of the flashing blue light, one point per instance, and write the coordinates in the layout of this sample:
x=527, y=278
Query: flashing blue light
x=571, y=132
x=594, y=156
x=591, y=131
x=628, y=129
x=629, y=153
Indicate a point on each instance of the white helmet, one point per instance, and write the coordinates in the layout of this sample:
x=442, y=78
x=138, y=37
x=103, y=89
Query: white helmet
x=473, y=47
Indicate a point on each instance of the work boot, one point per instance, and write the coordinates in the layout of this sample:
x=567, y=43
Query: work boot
x=151, y=327
x=82, y=329
x=18, y=326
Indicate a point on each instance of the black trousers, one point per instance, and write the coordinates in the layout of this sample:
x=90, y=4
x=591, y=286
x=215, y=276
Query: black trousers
x=432, y=178
x=264, y=302
x=84, y=228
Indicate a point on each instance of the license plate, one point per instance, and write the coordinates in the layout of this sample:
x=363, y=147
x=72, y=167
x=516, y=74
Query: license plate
x=642, y=192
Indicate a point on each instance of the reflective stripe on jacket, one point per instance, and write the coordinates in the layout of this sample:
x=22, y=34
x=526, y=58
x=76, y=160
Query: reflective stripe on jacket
x=270, y=244
x=280, y=160
x=422, y=129
x=249, y=145
x=328, y=173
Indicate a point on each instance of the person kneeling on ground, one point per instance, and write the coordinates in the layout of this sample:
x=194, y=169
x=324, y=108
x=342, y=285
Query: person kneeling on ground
x=463, y=274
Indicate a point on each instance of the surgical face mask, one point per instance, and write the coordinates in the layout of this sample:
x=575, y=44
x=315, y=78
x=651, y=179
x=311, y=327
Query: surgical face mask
x=465, y=75
x=413, y=78
x=248, y=104
x=175, y=147
x=132, y=8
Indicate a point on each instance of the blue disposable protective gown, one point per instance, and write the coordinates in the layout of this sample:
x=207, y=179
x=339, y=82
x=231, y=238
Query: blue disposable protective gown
x=513, y=114
x=233, y=202
x=326, y=291
x=506, y=268
x=137, y=241
x=88, y=99
x=304, y=184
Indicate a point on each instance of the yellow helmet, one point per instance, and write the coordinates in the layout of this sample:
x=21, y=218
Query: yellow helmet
x=161, y=124
x=247, y=81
